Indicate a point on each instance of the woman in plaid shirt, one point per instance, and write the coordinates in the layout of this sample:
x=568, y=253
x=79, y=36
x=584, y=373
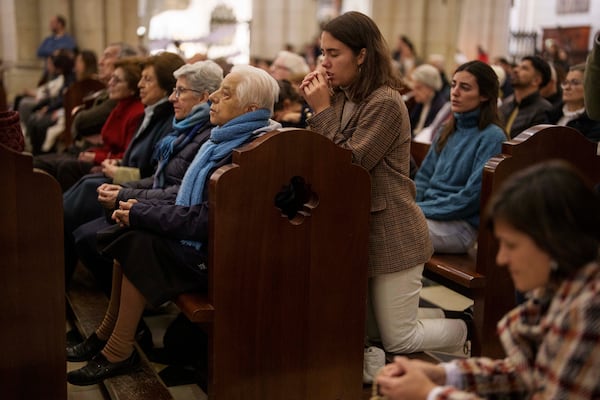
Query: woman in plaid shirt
x=547, y=222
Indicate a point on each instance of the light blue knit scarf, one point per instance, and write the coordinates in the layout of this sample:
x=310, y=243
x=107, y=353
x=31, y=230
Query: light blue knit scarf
x=183, y=133
x=223, y=139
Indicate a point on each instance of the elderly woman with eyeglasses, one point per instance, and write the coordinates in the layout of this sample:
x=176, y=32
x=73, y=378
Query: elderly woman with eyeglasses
x=161, y=253
x=189, y=127
x=117, y=131
x=80, y=200
x=571, y=112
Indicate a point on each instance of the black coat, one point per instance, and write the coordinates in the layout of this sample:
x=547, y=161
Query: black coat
x=588, y=127
x=140, y=149
x=174, y=171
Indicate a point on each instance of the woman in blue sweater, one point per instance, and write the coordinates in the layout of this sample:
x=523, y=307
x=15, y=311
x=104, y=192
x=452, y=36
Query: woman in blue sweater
x=449, y=179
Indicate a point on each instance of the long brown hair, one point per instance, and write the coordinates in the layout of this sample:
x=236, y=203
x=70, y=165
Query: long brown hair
x=358, y=31
x=488, y=84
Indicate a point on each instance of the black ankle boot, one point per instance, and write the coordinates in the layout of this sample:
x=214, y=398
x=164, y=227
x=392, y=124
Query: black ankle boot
x=143, y=336
x=85, y=350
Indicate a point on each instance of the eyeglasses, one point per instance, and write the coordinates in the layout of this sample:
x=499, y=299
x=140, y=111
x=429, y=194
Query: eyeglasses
x=116, y=80
x=177, y=91
x=572, y=82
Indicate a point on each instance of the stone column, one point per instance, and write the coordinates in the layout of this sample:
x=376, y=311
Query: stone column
x=487, y=24
x=24, y=24
x=395, y=18
x=22, y=32
x=275, y=24
x=121, y=21
x=89, y=25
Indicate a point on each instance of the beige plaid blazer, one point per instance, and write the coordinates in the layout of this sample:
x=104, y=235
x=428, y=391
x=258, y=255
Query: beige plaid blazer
x=378, y=133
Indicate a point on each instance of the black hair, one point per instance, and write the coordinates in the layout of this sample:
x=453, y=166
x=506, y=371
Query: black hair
x=542, y=67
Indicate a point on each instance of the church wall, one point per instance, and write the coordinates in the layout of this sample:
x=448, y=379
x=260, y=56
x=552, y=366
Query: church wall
x=435, y=26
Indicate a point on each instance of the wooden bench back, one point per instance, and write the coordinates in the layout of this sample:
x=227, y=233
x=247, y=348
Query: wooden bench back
x=73, y=97
x=288, y=296
x=32, y=310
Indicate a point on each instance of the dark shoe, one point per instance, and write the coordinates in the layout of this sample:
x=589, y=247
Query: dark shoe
x=143, y=337
x=85, y=350
x=73, y=337
x=467, y=316
x=99, y=368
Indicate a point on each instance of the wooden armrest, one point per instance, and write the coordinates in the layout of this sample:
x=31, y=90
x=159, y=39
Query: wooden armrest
x=196, y=307
x=458, y=268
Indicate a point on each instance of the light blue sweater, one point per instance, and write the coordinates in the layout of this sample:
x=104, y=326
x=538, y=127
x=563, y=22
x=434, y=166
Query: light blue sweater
x=449, y=183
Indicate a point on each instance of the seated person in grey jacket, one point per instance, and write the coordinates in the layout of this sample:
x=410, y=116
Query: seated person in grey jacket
x=571, y=111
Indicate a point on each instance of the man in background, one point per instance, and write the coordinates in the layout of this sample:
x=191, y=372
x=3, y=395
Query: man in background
x=527, y=107
x=57, y=40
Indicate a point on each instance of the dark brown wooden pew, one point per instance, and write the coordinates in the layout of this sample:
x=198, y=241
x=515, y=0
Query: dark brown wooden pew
x=476, y=275
x=74, y=97
x=32, y=310
x=285, y=311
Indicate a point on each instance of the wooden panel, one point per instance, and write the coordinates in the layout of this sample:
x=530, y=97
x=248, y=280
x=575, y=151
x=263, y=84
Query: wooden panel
x=418, y=150
x=574, y=40
x=73, y=97
x=289, y=298
x=32, y=311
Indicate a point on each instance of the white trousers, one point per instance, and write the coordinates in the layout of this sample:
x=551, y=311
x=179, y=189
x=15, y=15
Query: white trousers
x=395, y=319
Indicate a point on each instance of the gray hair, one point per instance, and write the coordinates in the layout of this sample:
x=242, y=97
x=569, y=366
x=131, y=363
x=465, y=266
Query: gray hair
x=256, y=86
x=125, y=49
x=578, y=67
x=204, y=76
x=295, y=63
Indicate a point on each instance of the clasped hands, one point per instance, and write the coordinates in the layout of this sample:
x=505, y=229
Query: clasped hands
x=121, y=216
x=409, y=378
x=107, y=196
x=316, y=90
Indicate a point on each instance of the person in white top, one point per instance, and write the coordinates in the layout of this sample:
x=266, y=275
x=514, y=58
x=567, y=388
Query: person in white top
x=571, y=111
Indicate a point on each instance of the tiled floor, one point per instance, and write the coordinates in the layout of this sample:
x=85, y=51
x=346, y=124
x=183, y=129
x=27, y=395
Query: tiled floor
x=434, y=294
